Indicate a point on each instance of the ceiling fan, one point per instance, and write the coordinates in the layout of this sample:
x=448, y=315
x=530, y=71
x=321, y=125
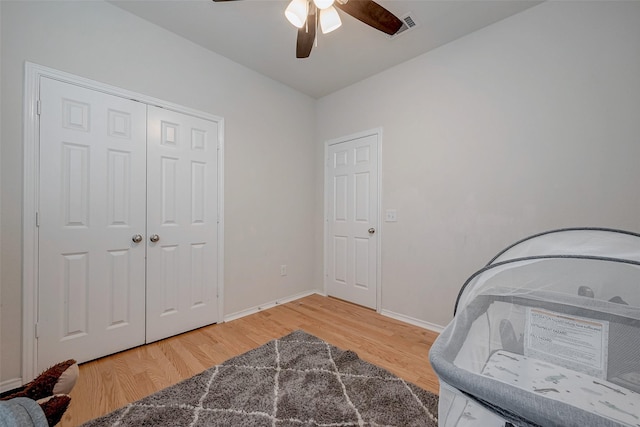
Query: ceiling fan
x=307, y=14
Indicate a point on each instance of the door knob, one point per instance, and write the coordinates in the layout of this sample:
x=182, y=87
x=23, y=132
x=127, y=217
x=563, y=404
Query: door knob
x=372, y=230
x=137, y=238
x=154, y=238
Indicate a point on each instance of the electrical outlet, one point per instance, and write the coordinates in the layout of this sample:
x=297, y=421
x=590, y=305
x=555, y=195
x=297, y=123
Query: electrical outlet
x=283, y=270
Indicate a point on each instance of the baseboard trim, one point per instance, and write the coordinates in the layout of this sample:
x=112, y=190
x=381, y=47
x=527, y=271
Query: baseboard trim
x=401, y=317
x=7, y=385
x=413, y=321
x=267, y=305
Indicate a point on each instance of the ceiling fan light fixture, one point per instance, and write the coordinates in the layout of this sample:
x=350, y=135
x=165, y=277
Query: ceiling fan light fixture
x=329, y=20
x=297, y=12
x=323, y=4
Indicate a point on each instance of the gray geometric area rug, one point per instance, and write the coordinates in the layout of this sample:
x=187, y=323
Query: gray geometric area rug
x=297, y=380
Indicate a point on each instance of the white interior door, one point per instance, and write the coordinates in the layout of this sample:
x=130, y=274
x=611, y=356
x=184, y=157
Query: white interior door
x=182, y=223
x=91, y=287
x=352, y=220
x=128, y=223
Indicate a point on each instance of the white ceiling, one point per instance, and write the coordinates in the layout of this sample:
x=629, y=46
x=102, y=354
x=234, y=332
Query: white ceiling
x=256, y=34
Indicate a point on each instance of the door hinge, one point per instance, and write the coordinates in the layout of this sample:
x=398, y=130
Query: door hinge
x=38, y=107
x=37, y=331
x=37, y=220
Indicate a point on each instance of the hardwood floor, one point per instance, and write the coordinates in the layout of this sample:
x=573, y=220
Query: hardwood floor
x=111, y=382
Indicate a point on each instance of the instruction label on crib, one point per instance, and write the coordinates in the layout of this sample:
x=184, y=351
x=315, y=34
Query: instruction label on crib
x=573, y=342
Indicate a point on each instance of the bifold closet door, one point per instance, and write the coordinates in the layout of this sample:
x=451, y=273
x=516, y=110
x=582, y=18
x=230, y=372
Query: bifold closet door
x=127, y=214
x=91, y=282
x=182, y=216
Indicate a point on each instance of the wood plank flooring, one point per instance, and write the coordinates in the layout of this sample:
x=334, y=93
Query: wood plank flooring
x=111, y=382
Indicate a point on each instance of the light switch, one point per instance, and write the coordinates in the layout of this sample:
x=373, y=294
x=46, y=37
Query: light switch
x=390, y=215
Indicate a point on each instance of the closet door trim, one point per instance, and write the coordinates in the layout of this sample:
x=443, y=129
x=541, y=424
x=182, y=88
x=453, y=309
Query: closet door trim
x=31, y=167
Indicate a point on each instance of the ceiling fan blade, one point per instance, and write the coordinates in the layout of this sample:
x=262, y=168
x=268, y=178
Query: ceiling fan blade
x=306, y=37
x=371, y=13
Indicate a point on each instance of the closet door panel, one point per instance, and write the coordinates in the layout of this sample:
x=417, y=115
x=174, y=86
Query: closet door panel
x=91, y=287
x=182, y=212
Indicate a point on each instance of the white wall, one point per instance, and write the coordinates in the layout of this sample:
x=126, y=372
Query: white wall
x=527, y=125
x=269, y=145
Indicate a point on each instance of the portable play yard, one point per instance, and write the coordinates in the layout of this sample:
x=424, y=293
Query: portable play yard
x=546, y=334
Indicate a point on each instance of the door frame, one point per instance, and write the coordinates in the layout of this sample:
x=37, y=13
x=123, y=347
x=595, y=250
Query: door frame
x=31, y=140
x=325, y=272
